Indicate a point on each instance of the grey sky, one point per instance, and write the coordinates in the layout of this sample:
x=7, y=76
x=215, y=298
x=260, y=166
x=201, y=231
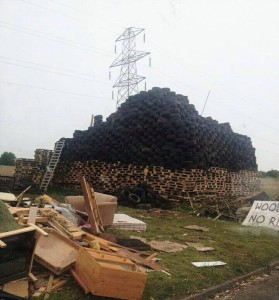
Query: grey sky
x=228, y=47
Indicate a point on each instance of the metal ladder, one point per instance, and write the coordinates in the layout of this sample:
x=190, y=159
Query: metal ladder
x=52, y=164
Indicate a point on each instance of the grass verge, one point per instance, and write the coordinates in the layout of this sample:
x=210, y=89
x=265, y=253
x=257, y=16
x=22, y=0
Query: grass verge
x=244, y=249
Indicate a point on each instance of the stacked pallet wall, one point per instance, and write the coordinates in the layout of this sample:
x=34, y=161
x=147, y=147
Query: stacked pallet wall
x=178, y=185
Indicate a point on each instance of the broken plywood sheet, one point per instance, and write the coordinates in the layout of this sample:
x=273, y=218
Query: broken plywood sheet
x=200, y=247
x=125, y=222
x=200, y=264
x=56, y=252
x=18, y=288
x=197, y=228
x=167, y=246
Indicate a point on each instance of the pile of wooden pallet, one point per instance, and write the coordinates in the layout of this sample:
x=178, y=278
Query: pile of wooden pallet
x=43, y=156
x=178, y=185
x=29, y=171
x=25, y=170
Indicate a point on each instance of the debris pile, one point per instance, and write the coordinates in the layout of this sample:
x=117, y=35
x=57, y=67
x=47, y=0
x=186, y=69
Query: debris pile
x=99, y=266
x=160, y=127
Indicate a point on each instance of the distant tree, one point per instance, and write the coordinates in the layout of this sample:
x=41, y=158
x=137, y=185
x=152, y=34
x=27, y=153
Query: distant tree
x=7, y=159
x=263, y=173
x=273, y=173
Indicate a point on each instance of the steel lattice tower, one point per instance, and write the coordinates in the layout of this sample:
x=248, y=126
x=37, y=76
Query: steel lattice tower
x=128, y=80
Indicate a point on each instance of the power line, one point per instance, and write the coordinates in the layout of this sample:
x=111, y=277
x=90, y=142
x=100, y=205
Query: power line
x=53, y=38
x=51, y=90
x=47, y=71
x=217, y=82
x=86, y=13
x=65, y=15
x=45, y=66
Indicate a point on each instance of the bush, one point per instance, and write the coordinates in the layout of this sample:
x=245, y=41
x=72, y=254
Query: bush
x=7, y=159
x=273, y=173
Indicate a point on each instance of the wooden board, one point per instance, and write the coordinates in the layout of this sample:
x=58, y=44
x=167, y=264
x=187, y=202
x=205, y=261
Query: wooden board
x=91, y=206
x=56, y=252
x=110, y=275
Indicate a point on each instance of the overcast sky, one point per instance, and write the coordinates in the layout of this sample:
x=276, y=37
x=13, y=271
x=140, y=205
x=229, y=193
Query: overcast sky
x=55, y=57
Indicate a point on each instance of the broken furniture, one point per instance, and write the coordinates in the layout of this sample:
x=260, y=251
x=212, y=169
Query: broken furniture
x=106, y=204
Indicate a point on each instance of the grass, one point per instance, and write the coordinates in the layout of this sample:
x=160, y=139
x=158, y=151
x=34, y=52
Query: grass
x=270, y=186
x=244, y=249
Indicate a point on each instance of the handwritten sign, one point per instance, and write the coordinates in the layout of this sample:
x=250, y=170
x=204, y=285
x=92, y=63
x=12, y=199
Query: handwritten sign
x=263, y=213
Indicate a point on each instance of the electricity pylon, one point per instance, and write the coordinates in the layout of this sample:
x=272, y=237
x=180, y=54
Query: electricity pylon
x=128, y=80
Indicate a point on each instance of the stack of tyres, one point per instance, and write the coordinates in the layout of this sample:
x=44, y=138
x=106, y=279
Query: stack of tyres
x=160, y=127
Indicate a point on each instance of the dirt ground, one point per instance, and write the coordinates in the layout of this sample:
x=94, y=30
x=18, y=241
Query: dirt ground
x=7, y=170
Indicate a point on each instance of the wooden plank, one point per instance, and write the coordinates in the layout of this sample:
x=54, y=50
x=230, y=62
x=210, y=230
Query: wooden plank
x=139, y=260
x=58, y=285
x=17, y=231
x=20, y=196
x=80, y=281
x=89, y=206
x=49, y=285
x=24, y=220
x=96, y=210
x=38, y=229
x=56, y=252
x=2, y=244
x=32, y=214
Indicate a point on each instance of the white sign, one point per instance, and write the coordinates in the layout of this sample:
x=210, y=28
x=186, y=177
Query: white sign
x=263, y=213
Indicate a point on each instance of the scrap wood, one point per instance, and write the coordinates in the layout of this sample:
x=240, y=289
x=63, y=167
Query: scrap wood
x=56, y=252
x=110, y=275
x=167, y=246
x=2, y=244
x=17, y=288
x=139, y=260
x=34, y=279
x=196, y=227
x=20, y=196
x=80, y=281
x=91, y=207
x=151, y=256
x=49, y=286
x=32, y=214
x=17, y=231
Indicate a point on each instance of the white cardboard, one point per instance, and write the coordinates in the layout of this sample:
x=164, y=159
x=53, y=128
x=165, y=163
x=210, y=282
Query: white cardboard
x=263, y=214
x=200, y=264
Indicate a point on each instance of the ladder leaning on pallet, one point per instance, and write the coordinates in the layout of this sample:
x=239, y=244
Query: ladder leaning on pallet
x=52, y=165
